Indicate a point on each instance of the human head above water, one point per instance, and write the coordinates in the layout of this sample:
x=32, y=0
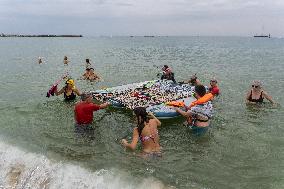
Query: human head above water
x=86, y=97
x=140, y=111
x=200, y=90
x=91, y=69
x=87, y=60
x=193, y=78
x=256, y=84
x=142, y=116
x=165, y=67
x=213, y=81
x=70, y=83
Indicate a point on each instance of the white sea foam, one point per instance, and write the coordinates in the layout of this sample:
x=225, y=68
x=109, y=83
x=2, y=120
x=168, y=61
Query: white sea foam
x=21, y=170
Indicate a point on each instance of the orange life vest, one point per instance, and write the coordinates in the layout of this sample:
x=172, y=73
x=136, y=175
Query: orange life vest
x=175, y=103
x=207, y=97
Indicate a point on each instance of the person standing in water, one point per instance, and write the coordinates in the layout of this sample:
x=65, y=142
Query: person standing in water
x=168, y=74
x=256, y=94
x=93, y=76
x=194, y=81
x=84, y=111
x=88, y=64
x=65, y=60
x=214, y=89
x=90, y=75
x=39, y=60
x=86, y=74
x=198, y=116
x=147, y=132
x=69, y=90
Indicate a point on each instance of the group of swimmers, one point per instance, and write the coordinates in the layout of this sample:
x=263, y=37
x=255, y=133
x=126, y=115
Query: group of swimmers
x=69, y=90
x=197, y=114
x=89, y=72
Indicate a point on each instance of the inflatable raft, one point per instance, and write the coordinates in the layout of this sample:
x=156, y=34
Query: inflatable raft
x=154, y=95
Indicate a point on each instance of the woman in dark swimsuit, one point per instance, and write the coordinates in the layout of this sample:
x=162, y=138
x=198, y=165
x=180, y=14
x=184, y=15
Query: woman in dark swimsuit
x=257, y=94
x=147, y=132
x=69, y=90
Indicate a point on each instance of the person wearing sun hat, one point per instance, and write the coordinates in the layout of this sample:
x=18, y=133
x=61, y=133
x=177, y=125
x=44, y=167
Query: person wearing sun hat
x=69, y=90
x=256, y=94
x=214, y=89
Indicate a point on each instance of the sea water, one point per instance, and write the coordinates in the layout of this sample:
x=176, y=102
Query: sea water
x=39, y=149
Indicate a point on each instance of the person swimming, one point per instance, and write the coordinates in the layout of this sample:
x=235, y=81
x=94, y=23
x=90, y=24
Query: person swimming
x=256, y=94
x=147, y=132
x=69, y=90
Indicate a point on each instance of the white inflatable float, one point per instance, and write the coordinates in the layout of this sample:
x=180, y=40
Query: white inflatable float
x=154, y=95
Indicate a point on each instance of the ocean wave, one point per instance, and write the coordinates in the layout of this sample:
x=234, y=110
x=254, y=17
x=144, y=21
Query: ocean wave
x=21, y=170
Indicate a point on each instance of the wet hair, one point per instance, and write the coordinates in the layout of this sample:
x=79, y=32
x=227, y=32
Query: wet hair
x=165, y=67
x=87, y=69
x=257, y=83
x=88, y=60
x=85, y=96
x=142, y=116
x=65, y=57
x=200, y=90
x=91, y=68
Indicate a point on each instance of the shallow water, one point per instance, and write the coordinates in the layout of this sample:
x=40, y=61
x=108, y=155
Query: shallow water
x=38, y=148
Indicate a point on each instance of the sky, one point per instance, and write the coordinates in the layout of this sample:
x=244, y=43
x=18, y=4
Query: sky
x=144, y=17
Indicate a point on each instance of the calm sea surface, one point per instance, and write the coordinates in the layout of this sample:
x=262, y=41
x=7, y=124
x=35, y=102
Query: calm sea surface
x=244, y=148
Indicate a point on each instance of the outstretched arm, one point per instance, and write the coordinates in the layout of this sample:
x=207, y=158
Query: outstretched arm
x=268, y=97
x=59, y=92
x=77, y=92
x=183, y=113
x=104, y=105
x=134, y=142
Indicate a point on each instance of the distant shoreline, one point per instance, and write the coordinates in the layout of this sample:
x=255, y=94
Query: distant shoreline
x=13, y=35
